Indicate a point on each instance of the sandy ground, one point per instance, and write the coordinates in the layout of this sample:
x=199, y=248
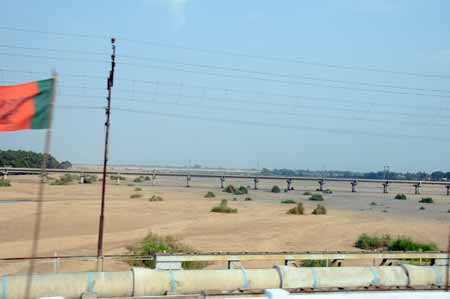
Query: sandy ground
x=70, y=218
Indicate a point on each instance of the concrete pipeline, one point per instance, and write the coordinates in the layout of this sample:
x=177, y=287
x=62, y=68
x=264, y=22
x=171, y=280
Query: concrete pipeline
x=147, y=282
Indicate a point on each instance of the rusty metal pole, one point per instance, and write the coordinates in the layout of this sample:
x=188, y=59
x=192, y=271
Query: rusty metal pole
x=40, y=197
x=105, y=161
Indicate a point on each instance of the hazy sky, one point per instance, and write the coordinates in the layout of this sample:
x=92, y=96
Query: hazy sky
x=203, y=101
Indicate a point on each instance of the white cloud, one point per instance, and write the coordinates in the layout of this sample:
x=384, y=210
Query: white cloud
x=177, y=9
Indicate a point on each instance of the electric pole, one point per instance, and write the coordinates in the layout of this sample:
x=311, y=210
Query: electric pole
x=110, y=84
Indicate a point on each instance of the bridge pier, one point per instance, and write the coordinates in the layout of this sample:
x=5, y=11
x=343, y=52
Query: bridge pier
x=81, y=178
x=321, y=184
x=5, y=175
x=289, y=184
x=354, y=184
x=448, y=190
x=385, y=187
x=417, y=188
x=153, y=178
x=222, y=180
x=188, y=181
x=118, y=178
x=256, y=181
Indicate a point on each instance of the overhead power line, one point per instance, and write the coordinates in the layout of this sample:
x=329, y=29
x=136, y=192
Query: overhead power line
x=289, y=60
x=54, y=57
x=295, y=76
x=278, y=80
x=319, y=113
x=204, y=88
x=274, y=104
x=277, y=125
x=261, y=124
x=232, y=53
x=54, y=50
x=233, y=69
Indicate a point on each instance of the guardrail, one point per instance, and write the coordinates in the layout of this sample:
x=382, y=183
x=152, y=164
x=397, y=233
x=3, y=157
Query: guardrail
x=174, y=261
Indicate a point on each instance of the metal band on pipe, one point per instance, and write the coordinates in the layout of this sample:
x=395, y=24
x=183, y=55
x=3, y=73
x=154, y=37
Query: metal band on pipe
x=376, y=277
x=438, y=276
x=244, y=272
x=173, y=285
x=90, y=285
x=280, y=276
x=4, y=286
x=407, y=274
x=315, y=278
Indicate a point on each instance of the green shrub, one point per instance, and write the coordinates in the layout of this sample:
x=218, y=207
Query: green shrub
x=384, y=211
x=422, y=208
x=137, y=189
x=328, y=191
x=65, y=179
x=372, y=242
x=316, y=197
x=147, y=178
x=153, y=244
x=373, y=203
x=210, y=194
x=398, y=244
x=5, y=183
x=114, y=177
x=407, y=244
x=229, y=189
x=313, y=263
x=320, y=210
x=234, y=199
x=90, y=179
x=138, y=180
x=297, y=210
x=288, y=201
x=155, y=198
x=275, y=189
x=426, y=200
x=224, y=208
x=241, y=190
x=400, y=196
x=136, y=195
x=248, y=198
x=307, y=193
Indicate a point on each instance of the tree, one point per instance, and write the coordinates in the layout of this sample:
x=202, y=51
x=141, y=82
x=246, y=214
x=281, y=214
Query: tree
x=422, y=176
x=437, y=175
x=28, y=159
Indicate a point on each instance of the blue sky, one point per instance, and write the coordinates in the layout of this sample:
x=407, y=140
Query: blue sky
x=204, y=106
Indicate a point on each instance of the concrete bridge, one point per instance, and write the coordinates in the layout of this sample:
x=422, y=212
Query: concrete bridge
x=353, y=183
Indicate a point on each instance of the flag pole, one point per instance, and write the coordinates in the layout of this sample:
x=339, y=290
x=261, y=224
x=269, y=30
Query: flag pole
x=39, y=204
x=105, y=160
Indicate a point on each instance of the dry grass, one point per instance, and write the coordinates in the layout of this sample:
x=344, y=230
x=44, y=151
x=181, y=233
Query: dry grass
x=156, y=198
x=297, y=210
x=319, y=210
x=224, y=208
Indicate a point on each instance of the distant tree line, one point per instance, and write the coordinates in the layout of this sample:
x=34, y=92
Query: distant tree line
x=29, y=159
x=413, y=176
